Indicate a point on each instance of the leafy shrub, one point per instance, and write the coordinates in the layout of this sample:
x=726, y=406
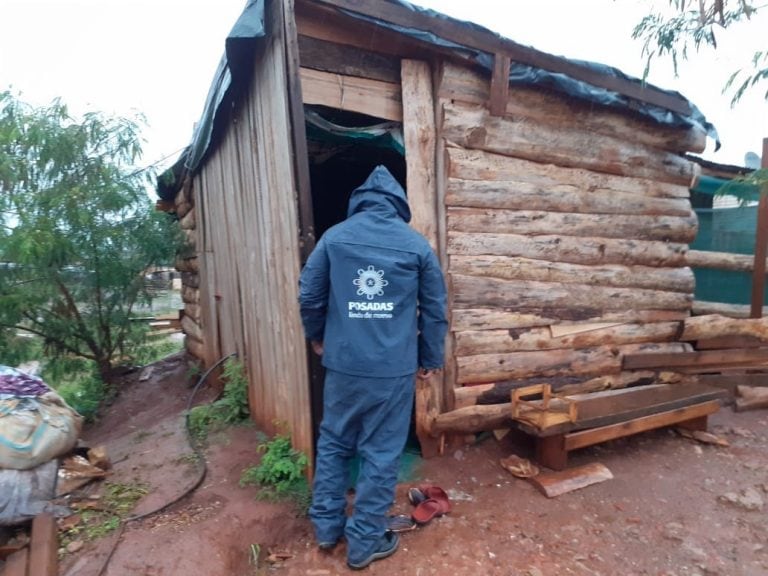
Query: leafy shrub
x=280, y=474
x=231, y=408
x=85, y=394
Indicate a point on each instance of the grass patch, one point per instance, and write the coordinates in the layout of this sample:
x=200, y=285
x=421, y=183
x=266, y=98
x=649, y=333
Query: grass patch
x=280, y=474
x=231, y=408
x=116, y=503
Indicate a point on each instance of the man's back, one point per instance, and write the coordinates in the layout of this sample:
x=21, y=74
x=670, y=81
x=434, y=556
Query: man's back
x=374, y=272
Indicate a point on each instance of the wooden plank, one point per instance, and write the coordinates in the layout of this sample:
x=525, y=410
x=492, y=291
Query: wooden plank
x=337, y=58
x=16, y=565
x=420, y=145
x=721, y=342
x=473, y=127
x=761, y=246
x=499, y=85
x=702, y=359
x=487, y=41
x=43, y=546
x=449, y=372
x=583, y=438
x=731, y=381
x=749, y=398
x=555, y=484
x=371, y=97
x=420, y=142
x=298, y=133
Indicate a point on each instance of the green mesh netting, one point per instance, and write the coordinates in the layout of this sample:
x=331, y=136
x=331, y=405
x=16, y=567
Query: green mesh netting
x=725, y=230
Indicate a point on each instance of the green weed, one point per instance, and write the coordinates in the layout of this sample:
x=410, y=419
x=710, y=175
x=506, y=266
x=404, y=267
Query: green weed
x=117, y=502
x=231, y=408
x=280, y=474
x=85, y=393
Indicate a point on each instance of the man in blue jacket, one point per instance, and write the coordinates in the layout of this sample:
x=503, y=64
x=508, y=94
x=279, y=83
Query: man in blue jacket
x=373, y=304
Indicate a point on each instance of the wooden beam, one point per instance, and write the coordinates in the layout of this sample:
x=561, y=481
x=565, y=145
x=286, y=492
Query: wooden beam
x=499, y=85
x=720, y=260
x=487, y=41
x=43, y=551
x=372, y=97
x=704, y=359
x=761, y=246
x=420, y=142
x=298, y=133
x=350, y=61
x=702, y=307
x=473, y=127
x=16, y=565
x=557, y=483
x=585, y=438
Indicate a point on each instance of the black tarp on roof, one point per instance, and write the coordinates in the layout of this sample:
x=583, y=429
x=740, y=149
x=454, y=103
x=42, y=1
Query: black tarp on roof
x=234, y=69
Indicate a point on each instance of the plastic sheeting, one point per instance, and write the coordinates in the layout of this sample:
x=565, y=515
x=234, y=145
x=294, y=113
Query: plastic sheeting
x=385, y=134
x=26, y=493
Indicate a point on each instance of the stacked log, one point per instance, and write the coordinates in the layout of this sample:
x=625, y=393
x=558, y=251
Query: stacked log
x=567, y=229
x=187, y=263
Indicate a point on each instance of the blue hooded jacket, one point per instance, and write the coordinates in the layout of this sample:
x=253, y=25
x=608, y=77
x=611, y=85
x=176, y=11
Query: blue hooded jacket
x=372, y=290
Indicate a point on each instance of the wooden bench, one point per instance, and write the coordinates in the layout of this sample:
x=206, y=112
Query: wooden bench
x=40, y=557
x=603, y=416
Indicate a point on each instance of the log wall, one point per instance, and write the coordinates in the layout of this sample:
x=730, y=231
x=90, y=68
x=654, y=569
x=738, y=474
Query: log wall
x=566, y=232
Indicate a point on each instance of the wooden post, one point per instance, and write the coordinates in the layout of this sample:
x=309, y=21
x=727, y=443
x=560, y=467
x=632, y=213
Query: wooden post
x=499, y=85
x=761, y=245
x=420, y=142
x=43, y=551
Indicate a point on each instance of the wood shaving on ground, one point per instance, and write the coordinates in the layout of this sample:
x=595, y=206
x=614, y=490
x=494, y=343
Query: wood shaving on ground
x=702, y=436
x=519, y=467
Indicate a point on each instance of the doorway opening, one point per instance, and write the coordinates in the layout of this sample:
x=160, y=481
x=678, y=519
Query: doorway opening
x=344, y=148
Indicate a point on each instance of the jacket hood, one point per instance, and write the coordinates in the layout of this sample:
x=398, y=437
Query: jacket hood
x=380, y=193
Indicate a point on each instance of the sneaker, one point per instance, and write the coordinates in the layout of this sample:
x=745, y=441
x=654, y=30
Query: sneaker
x=327, y=545
x=387, y=546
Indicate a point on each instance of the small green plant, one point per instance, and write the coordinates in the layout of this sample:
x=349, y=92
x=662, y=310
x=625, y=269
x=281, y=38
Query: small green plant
x=85, y=394
x=280, y=474
x=231, y=408
x=117, y=502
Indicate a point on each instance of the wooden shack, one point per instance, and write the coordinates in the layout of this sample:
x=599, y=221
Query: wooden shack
x=555, y=193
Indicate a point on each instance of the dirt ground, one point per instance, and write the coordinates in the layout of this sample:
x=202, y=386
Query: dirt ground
x=674, y=506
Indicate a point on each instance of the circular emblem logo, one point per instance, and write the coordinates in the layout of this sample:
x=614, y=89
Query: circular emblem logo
x=370, y=282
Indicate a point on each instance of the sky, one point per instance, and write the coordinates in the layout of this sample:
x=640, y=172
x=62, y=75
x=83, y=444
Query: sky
x=157, y=58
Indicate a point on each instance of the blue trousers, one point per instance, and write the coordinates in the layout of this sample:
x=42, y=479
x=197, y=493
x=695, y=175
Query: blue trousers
x=368, y=417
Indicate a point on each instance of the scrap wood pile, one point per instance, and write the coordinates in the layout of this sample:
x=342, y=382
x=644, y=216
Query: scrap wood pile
x=637, y=392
